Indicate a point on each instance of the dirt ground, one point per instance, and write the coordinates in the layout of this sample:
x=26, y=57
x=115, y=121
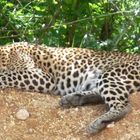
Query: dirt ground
x=48, y=121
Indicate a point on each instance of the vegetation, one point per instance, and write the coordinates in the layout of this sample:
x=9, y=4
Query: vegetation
x=98, y=24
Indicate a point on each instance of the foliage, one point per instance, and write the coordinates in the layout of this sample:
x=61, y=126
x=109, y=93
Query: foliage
x=98, y=24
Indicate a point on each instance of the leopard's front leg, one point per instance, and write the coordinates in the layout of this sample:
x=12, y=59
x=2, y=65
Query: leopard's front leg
x=28, y=79
x=80, y=98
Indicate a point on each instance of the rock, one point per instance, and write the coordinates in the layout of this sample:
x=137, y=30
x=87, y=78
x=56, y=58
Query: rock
x=111, y=125
x=22, y=114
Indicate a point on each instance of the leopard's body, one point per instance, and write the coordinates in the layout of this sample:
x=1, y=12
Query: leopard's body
x=79, y=75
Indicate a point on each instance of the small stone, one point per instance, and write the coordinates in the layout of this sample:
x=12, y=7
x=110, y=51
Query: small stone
x=111, y=125
x=76, y=109
x=22, y=114
x=30, y=130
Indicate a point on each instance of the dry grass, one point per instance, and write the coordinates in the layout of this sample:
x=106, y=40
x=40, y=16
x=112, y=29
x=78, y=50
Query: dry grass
x=48, y=121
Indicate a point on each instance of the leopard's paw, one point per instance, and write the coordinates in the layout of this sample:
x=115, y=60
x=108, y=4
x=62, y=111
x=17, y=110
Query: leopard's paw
x=70, y=100
x=96, y=126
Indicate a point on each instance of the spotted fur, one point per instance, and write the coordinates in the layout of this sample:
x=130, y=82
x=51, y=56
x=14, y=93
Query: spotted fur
x=80, y=76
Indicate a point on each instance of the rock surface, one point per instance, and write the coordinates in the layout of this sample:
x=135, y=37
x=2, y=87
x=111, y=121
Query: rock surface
x=48, y=121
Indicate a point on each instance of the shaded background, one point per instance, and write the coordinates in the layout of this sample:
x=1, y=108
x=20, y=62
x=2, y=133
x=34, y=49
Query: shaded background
x=98, y=24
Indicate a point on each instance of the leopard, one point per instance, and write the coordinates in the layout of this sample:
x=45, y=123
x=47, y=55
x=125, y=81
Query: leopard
x=79, y=76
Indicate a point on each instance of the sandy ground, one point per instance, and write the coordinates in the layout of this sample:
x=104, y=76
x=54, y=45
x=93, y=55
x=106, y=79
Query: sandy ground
x=48, y=121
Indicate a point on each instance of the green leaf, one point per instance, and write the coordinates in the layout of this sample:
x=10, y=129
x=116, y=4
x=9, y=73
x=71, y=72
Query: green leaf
x=9, y=4
x=40, y=9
